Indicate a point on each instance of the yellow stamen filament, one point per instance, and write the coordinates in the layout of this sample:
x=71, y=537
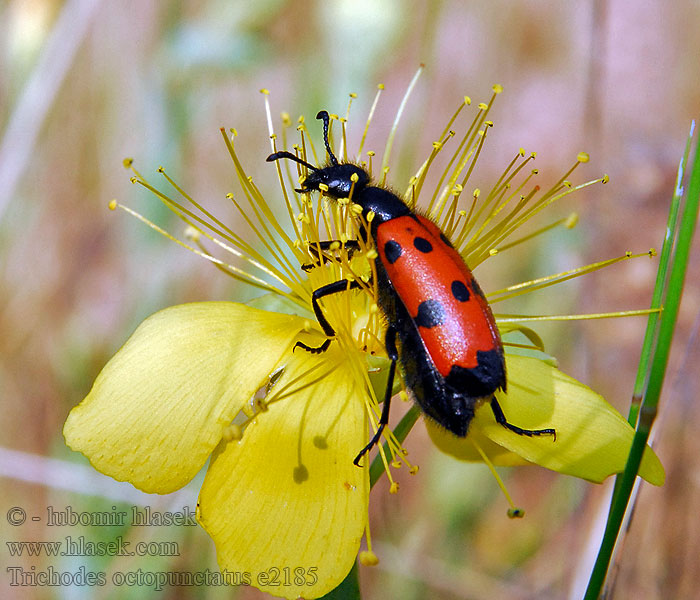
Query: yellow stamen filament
x=582, y=317
x=397, y=119
x=235, y=272
x=542, y=282
x=262, y=210
x=547, y=199
x=416, y=184
x=568, y=222
x=380, y=88
x=469, y=159
x=343, y=151
x=498, y=191
x=513, y=509
x=244, y=250
x=464, y=153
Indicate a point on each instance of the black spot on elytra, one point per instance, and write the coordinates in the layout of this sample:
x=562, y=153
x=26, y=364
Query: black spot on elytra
x=460, y=291
x=430, y=314
x=482, y=380
x=422, y=245
x=392, y=251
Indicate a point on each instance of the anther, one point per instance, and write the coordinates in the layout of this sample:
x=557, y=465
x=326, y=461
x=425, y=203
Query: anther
x=192, y=233
x=571, y=221
x=368, y=558
x=232, y=433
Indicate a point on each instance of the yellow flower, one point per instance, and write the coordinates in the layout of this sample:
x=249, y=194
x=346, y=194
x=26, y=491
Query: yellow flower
x=221, y=380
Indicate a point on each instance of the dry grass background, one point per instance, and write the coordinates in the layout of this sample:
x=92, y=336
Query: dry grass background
x=85, y=83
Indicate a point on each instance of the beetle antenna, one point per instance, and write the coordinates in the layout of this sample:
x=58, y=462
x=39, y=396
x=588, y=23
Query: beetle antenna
x=290, y=156
x=323, y=115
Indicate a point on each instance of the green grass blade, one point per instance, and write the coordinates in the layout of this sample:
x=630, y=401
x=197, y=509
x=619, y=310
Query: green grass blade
x=657, y=370
x=661, y=278
x=657, y=298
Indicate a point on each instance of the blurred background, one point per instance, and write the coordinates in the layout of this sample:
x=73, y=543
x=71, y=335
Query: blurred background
x=85, y=83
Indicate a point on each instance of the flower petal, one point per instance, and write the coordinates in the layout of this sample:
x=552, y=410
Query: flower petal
x=593, y=439
x=286, y=503
x=158, y=408
x=464, y=448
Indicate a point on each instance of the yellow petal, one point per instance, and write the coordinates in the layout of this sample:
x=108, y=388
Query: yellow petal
x=286, y=503
x=158, y=408
x=593, y=439
x=464, y=449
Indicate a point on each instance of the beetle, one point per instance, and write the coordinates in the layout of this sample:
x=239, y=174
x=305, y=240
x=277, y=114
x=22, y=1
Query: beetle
x=449, y=349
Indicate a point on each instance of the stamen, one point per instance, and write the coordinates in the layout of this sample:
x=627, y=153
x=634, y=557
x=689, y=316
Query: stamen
x=513, y=511
x=399, y=113
x=368, y=559
x=343, y=150
x=542, y=282
x=232, y=433
x=268, y=115
x=466, y=153
x=235, y=272
x=380, y=88
x=490, y=206
x=237, y=246
x=416, y=184
x=569, y=222
x=503, y=318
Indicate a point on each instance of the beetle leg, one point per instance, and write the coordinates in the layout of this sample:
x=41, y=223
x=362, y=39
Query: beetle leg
x=501, y=420
x=317, y=248
x=392, y=352
x=341, y=285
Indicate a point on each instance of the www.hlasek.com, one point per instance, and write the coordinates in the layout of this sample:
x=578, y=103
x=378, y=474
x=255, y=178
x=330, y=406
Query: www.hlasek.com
x=79, y=546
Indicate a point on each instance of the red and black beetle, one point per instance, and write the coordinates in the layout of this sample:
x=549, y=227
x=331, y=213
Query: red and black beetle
x=449, y=348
